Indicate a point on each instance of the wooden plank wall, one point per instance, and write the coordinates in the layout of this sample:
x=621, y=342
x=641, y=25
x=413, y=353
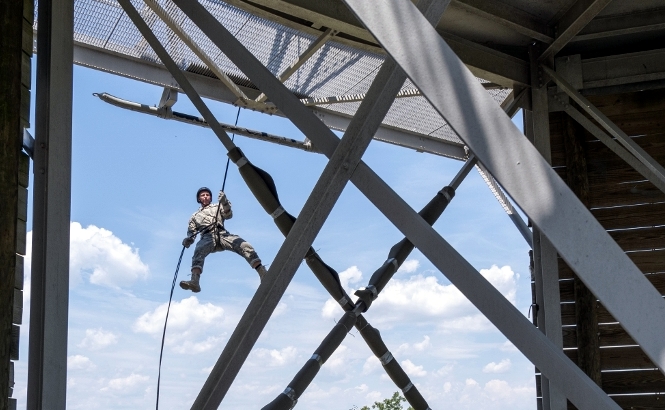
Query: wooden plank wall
x=633, y=212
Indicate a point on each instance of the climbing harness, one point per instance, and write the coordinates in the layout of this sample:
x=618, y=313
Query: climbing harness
x=175, y=276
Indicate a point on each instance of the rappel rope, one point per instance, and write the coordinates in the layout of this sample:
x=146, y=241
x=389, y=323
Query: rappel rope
x=175, y=280
x=161, y=351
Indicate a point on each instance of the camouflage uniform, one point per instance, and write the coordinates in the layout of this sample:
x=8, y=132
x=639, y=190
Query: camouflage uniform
x=217, y=238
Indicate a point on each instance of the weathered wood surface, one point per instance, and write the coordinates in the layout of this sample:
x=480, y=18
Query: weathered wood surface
x=11, y=39
x=568, y=314
x=622, y=201
x=634, y=193
x=627, y=382
x=567, y=292
x=609, y=335
x=641, y=402
x=618, y=358
x=646, y=261
x=631, y=216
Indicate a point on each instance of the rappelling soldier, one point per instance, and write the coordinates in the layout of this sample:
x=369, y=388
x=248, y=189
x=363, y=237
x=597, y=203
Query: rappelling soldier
x=209, y=222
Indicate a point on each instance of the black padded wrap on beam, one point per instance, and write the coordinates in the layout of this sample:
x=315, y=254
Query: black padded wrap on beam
x=402, y=249
x=263, y=187
x=307, y=373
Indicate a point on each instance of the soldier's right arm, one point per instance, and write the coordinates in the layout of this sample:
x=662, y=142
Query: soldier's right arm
x=192, y=227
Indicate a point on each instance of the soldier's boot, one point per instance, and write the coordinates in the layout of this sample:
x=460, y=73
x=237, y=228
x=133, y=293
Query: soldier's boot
x=262, y=271
x=193, y=283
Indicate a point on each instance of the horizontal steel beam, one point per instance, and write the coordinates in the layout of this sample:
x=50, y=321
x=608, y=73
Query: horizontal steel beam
x=624, y=69
x=571, y=23
x=153, y=73
x=508, y=16
x=622, y=24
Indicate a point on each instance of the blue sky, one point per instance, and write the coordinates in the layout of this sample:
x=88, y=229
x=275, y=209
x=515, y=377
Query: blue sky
x=133, y=191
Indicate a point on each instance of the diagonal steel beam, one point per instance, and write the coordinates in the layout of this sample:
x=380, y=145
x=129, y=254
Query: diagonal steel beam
x=572, y=22
x=610, y=142
x=505, y=204
x=529, y=180
x=343, y=161
x=656, y=171
x=540, y=350
x=313, y=48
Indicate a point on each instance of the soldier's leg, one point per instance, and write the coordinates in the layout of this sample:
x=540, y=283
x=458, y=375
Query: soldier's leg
x=204, y=247
x=245, y=249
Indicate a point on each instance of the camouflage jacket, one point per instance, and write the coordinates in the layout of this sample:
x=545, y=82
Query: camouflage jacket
x=204, y=218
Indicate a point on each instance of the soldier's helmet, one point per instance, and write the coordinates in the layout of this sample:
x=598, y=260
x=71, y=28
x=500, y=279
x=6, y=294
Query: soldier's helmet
x=202, y=189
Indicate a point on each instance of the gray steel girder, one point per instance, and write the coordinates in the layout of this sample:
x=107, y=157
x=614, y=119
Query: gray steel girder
x=510, y=321
x=530, y=181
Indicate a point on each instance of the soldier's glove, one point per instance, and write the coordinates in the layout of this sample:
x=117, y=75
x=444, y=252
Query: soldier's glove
x=221, y=198
x=187, y=242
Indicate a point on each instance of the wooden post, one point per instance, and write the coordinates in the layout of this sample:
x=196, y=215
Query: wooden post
x=11, y=19
x=586, y=307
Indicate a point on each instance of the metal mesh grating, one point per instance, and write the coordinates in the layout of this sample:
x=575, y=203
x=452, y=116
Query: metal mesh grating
x=334, y=70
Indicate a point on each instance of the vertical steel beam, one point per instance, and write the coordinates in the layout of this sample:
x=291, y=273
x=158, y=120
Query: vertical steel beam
x=546, y=269
x=49, y=304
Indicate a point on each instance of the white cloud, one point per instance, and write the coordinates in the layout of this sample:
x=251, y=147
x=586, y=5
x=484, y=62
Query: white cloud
x=445, y=370
x=96, y=339
x=507, y=346
x=337, y=359
x=102, y=255
x=422, y=298
x=189, y=321
x=409, y=266
x=413, y=370
x=79, y=362
x=273, y=357
x=501, y=367
x=331, y=309
x=447, y=386
x=371, y=364
x=189, y=346
x=504, y=279
x=422, y=345
x=351, y=275
x=130, y=382
x=281, y=308
x=502, y=391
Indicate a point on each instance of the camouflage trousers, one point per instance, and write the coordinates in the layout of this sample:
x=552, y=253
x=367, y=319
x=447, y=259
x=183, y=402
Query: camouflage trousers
x=223, y=241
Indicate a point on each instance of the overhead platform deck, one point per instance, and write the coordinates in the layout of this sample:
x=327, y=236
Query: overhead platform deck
x=588, y=75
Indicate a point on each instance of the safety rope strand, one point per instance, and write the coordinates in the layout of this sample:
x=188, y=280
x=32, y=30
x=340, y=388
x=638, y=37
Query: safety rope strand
x=168, y=308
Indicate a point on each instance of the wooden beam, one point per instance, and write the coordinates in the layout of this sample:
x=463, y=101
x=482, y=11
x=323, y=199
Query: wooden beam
x=568, y=293
x=588, y=355
x=649, y=262
x=618, y=358
x=632, y=382
x=11, y=29
x=611, y=334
